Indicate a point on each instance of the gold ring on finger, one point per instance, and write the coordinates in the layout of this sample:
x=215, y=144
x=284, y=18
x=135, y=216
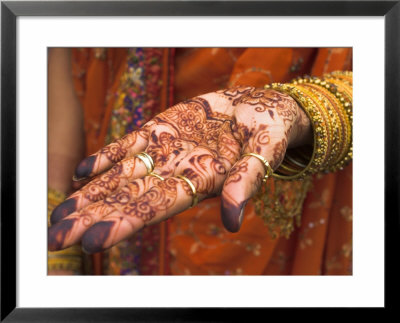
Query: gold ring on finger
x=268, y=168
x=147, y=160
x=156, y=175
x=195, y=199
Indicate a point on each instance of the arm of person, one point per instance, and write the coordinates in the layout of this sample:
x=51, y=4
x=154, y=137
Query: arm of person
x=221, y=143
x=65, y=121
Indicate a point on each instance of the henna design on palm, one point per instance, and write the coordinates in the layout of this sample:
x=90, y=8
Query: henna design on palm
x=203, y=139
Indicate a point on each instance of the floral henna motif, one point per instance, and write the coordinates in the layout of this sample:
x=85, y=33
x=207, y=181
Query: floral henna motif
x=195, y=121
x=114, y=152
x=228, y=148
x=235, y=92
x=264, y=100
x=165, y=148
x=234, y=174
x=100, y=187
x=157, y=199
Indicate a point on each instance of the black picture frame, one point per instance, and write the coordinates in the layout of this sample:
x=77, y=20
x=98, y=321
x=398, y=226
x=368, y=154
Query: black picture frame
x=10, y=10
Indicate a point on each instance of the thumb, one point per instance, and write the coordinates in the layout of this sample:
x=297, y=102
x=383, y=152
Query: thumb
x=243, y=181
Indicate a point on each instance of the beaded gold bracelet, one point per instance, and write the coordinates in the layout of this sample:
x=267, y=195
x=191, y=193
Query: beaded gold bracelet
x=320, y=130
x=329, y=107
x=338, y=124
x=324, y=109
x=342, y=89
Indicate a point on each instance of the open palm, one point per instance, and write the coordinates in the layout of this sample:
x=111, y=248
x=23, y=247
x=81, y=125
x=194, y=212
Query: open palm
x=202, y=139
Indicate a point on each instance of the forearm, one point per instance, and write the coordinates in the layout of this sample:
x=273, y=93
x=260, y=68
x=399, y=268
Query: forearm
x=65, y=121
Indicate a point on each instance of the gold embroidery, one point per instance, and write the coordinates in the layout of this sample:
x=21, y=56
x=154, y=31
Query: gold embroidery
x=279, y=203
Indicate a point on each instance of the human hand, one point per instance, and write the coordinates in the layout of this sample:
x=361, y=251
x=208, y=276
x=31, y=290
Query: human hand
x=202, y=139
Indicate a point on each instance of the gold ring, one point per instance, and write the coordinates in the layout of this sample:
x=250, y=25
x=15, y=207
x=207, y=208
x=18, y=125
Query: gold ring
x=195, y=197
x=155, y=175
x=147, y=160
x=266, y=165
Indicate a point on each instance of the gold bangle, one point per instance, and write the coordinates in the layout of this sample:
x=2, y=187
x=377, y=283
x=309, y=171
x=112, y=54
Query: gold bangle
x=320, y=105
x=195, y=199
x=328, y=105
x=341, y=140
x=320, y=131
x=268, y=169
x=339, y=84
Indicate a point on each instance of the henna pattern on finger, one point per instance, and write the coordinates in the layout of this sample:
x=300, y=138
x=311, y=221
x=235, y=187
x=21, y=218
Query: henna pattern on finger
x=234, y=174
x=114, y=152
x=158, y=198
x=99, y=188
x=205, y=172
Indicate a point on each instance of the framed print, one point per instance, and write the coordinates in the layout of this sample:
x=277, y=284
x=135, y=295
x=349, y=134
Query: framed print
x=149, y=35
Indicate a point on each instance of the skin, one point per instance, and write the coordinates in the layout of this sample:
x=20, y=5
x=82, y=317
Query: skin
x=203, y=139
x=66, y=136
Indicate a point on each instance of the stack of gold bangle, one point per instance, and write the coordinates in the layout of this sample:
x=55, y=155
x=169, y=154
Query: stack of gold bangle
x=328, y=104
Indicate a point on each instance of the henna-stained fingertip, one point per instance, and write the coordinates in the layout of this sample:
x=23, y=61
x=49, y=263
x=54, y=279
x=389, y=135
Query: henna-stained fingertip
x=85, y=168
x=64, y=209
x=57, y=233
x=232, y=215
x=93, y=240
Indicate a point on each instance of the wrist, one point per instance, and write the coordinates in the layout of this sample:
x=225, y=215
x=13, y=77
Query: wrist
x=302, y=129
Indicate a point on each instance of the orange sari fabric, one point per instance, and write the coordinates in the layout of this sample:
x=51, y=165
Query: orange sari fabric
x=323, y=242
x=197, y=243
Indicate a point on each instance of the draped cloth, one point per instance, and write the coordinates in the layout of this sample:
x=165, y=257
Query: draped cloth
x=120, y=89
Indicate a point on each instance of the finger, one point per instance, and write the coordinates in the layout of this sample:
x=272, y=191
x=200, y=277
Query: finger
x=244, y=180
x=205, y=169
x=126, y=146
x=246, y=176
x=70, y=230
x=163, y=200
x=100, y=187
x=228, y=149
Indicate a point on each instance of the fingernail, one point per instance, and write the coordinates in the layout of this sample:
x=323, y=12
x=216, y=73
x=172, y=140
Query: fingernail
x=57, y=233
x=77, y=179
x=241, y=215
x=93, y=240
x=85, y=167
x=61, y=211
